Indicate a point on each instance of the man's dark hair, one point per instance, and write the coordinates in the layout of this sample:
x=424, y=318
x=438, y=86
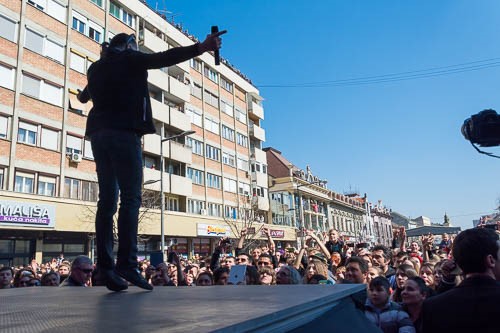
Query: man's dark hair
x=266, y=255
x=218, y=273
x=7, y=268
x=363, y=265
x=249, y=257
x=472, y=246
x=401, y=254
x=380, y=281
x=119, y=40
x=385, y=250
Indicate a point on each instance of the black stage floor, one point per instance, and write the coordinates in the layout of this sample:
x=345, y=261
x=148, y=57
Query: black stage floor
x=168, y=309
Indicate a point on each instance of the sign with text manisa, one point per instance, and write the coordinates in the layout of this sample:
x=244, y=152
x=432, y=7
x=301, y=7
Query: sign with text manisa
x=14, y=213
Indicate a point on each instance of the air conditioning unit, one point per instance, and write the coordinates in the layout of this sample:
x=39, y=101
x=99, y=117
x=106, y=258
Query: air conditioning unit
x=203, y=212
x=74, y=157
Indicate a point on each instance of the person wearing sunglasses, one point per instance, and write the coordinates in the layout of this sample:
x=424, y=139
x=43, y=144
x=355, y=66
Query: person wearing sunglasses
x=121, y=114
x=81, y=273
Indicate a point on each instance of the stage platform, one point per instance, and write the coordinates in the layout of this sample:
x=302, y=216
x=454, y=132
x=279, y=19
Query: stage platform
x=295, y=308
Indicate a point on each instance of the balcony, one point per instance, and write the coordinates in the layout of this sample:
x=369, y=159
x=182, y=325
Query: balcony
x=181, y=185
x=152, y=144
x=261, y=203
x=256, y=109
x=159, y=79
x=260, y=178
x=258, y=133
x=184, y=66
x=259, y=155
x=179, y=120
x=160, y=111
x=153, y=42
x=179, y=90
x=180, y=152
x=151, y=174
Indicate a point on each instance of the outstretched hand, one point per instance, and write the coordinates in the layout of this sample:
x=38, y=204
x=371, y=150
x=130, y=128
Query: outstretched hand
x=213, y=42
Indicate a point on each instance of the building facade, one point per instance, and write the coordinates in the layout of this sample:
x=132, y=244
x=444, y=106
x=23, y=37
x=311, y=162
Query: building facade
x=302, y=200
x=48, y=185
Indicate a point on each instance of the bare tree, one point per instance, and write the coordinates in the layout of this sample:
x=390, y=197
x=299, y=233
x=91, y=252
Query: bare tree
x=151, y=200
x=248, y=222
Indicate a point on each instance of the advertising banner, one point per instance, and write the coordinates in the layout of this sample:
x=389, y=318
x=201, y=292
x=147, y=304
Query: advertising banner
x=15, y=213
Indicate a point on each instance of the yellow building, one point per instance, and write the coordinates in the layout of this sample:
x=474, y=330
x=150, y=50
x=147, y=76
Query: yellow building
x=48, y=188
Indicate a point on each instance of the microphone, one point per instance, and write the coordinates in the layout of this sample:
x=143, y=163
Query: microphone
x=216, y=52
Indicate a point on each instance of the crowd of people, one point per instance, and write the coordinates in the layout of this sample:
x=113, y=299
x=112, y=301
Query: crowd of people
x=398, y=280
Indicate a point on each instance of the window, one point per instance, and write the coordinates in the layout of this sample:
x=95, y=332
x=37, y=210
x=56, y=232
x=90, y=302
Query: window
x=51, y=7
x=7, y=77
x=97, y=2
x=49, y=139
x=226, y=107
x=87, y=150
x=195, y=116
x=8, y=28
x=211, y=98
x=79, y=24
x=243, y=189
x=87, y=27
x=27, y=133
x=95, y=32
x=213, y=153
x=4, y=120
x=211, y=125
x=71, y=188
x=230, y=212
x=240, y=115
x=210, y=73
x=195, y=175
x=195, y=64
x=195, y=206
x=242, y=140
x=77, y=62
x=228, y=159
x=73, y=144
x=227, y=133
x=195, y=90
x=214, y=209
x=242, y=164
x=41, y=89
x=33, y=41
x=122, y=14
x=2, y=171
x=229, y=185
x=24, y=182
x=89, y=191
x=172, y=204
x=196, y=146
x=260, y=191
x=46, y=186
x=213, y=180
x=226, y=84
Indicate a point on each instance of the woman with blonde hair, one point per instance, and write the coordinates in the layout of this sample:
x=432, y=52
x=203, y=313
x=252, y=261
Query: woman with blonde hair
x=315, y=267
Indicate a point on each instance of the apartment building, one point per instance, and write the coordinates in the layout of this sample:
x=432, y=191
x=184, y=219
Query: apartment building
x=48, y=185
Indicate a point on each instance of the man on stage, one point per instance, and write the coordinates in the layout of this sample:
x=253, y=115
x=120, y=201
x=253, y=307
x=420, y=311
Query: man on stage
x=120, y=116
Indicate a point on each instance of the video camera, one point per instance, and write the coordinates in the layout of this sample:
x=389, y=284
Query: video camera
x=483, y=128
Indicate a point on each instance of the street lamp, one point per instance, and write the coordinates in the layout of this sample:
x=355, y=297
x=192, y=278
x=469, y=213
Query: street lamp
x=162, y=169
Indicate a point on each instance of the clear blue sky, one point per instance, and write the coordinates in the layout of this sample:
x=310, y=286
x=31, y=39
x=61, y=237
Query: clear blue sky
x=398, y=141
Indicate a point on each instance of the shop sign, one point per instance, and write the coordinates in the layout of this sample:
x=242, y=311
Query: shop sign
x=275, y=233
x=13, y=213
x=213, y=230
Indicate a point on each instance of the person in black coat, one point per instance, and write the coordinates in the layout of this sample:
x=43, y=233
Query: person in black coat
x=472, y=306
x=120, y=116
